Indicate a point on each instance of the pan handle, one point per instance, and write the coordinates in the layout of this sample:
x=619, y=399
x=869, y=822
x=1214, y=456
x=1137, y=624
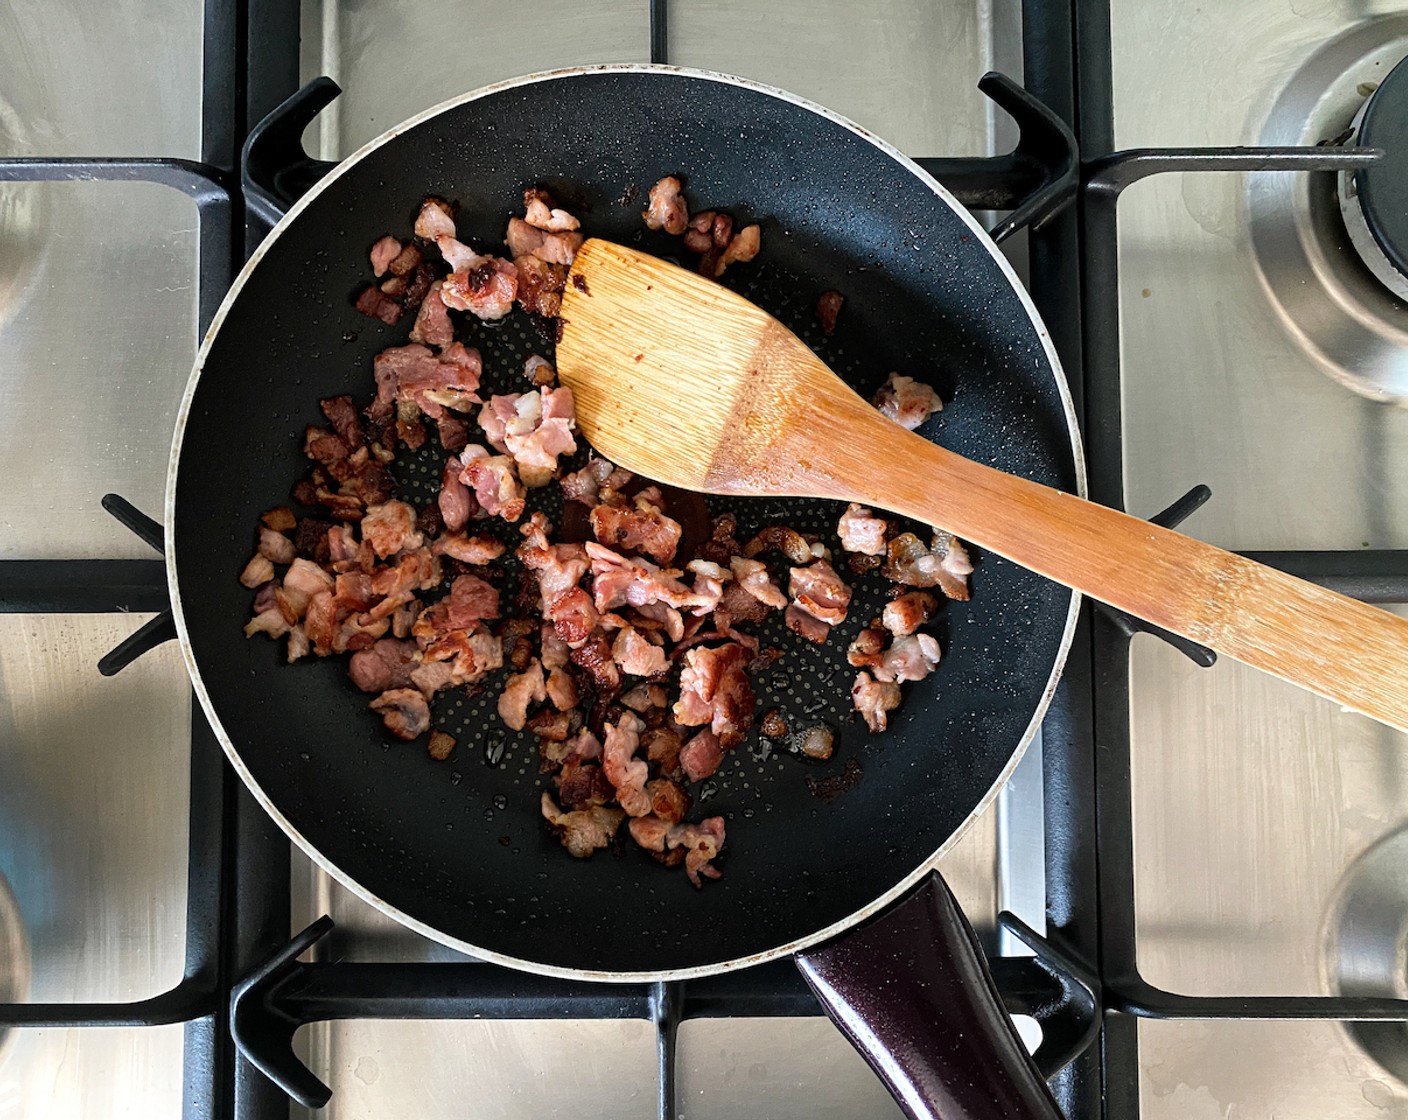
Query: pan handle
x=911, y=990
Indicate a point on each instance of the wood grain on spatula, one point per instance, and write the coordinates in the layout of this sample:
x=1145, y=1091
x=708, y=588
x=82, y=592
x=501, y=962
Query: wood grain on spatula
x=678, y=378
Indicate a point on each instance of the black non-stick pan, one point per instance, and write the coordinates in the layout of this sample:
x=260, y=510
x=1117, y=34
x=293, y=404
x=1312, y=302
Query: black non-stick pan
x=457, y=850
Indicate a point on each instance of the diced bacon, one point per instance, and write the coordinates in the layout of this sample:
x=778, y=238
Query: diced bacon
x=270, y=621
x=432, y=325
x=906, y=401
x=649, y=832
x=436, y=219
x=471, y=601
x=342, y=547
x=624, y=771
x=386, y=665
x=541, y=211
x=701, y=756
x=554, y=248
x=459, y=256
x=582, y=831
x=453, y=432
x=819, y=591
x=636, y=655
x=376, y=304
x=556, y=652
x=539, y=371
x=944, y=563
x=572, y=615
x=260, y=569
x=594, y=655
x=581, y=784
x=909, y=658
x=868, y=648
x=562, y=690
x=630, y=581
x=413, y=571
x=909, y=612
x=404, y=711
x=702, y=843
x=806, y=625
x=301, y=582
x=298, y=644
x=644, y=697
x=668, y=799
x=383, y=253
x=828, y=308
x=413, y=374
x=481, y=549
x=403, y=618
x=742, y=247
x=352, y=592
x=715, y=690
x=391, y=528
x=521, y=690
x=752, y=576
x=666, y=616
x=583, y=485
x=874, y=700
x=643, y=529
x=455, y=502
x=486, y=290
x=780, y=538
x=342, y=414
x=540, y=285
x=667, y=209
x=861, y=531
x=494, y=481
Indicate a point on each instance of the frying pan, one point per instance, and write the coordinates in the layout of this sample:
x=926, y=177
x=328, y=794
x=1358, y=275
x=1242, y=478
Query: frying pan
x=457, y=850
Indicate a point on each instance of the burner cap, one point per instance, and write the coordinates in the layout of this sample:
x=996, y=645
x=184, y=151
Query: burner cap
x=1383, y=188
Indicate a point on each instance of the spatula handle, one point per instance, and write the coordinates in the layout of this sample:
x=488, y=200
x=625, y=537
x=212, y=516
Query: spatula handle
x=1332, y=645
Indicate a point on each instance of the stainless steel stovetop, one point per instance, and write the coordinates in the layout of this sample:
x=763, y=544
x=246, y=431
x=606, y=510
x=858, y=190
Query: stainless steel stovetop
x=1268, y=826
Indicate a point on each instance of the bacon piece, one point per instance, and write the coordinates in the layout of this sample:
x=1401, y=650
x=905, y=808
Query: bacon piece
x=582, y=831
x=630, y=581
x=436, y=219
x=386, y=250
x=432, y=325
x=806, y=625
x=874, y=700
x=562, y=690
x=482, y=549
x=623, y=770
x=520, y=690
x=906, y=401
x=455, y=502
x=909, y=658
x=594, y=655
x=644, y=697
x=494, y=481
x=868, y=648
x=787, y=541
x=572, y=615
x=486, y=290
x=390, y=528
x=404, y=711
x=701, y=756
x=540, y=285
x=861, y=531
x=820, y=592
x=636, y=655
x=944, y=563
x=702, y=843
x=376, y=304
x=556, y=652
x=909, y=612
x=643, y=529
x=260, y=569
x=342, y=415
x=386, y=665
x=555, y=248
x=583, y=784
x=539, y=371
x=471, y=601
x=715, y=690
x=301, y=583
x=752, y=577
x=667, y=209
x=541, y=211
x=453, y=432
x=743, y=246
x=584, y=485
x=668, y=799
x=413, y=375
x=828, y=307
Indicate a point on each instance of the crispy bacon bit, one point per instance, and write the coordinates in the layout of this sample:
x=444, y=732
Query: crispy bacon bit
x=828, y=307
x=342, y=415
x=540, y=285
x=907, y=402
x=520, y=690
x=539, y=371
x=404, y=711
x=595, y=657
x=787, y=541
x=644, y=529
x=524, y=240
x=582, y=831
x=376, y=304
x=667, y=209
x=644, y=697
x=861, y=531
x=668, y=799
x=383, y=253
x=715, y=690
x=280, y=519
x=874, y=700
x=440, y=745
x=623, y=770
x=909, y=612
x=391, y=528
x=453, y=432
x=944, y=564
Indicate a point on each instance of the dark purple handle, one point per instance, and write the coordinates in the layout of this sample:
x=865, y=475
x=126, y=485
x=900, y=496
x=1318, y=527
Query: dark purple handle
x=911, y=990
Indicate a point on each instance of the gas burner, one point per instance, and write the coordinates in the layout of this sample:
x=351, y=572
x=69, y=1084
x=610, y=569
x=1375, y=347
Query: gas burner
x=1374, y=201
x=1368, y=934
x=1338, y=294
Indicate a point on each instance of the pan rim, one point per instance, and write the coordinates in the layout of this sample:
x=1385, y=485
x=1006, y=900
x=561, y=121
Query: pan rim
x=895, y=891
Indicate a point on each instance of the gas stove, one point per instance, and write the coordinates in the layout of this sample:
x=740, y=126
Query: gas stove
x=1214, y=859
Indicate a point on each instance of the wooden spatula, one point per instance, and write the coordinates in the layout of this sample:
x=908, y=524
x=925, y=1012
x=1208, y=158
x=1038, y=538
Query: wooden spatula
x=682, y=380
